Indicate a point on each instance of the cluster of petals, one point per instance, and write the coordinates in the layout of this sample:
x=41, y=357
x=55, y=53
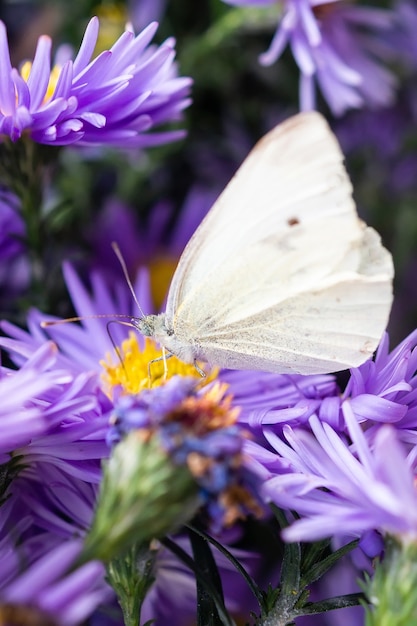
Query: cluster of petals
x=50, y=414
x=50, y=591
x=53, y=439
x=346, y=463
x=113, y=99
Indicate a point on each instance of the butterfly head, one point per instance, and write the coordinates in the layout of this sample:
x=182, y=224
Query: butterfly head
x=154, y=326
x=146, y=325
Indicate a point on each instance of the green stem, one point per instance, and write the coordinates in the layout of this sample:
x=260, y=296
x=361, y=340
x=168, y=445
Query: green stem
x=23, y=168
x=131, y=576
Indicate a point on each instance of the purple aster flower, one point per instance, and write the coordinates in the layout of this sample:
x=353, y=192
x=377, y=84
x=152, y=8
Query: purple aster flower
x=22, y=393
x=57, y=487
x=42, y=531
x=339, y=46
x=61, y=508
x=341, y=488
x=325, y=456
x=53, y=439
x=383, y=390
x=51, y=414
x=114, y=99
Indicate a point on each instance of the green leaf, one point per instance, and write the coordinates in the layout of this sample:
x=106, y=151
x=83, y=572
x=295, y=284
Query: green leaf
x=207, y=614
x=238, y=566
x=318, y=569
x=200, y=577
x=331, y=604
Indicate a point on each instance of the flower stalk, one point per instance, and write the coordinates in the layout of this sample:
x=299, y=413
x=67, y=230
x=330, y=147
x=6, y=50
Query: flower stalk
x=131, y=576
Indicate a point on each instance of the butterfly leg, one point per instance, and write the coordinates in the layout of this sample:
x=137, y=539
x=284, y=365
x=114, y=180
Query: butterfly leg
x=165, y=356
x=199, y=370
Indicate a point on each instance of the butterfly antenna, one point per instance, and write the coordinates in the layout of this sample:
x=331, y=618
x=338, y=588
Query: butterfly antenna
x=69, y=320
x=114, y=344
x=126, y=275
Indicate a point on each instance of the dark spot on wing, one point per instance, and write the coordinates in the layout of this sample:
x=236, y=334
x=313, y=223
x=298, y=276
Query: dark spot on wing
x=293, y=221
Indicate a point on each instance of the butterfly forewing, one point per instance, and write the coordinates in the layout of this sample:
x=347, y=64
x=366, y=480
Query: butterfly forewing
x=282, y=275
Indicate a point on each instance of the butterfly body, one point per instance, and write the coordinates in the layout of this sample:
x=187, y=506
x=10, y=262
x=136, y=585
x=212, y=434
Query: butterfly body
x=281, y=275
x=155, y=326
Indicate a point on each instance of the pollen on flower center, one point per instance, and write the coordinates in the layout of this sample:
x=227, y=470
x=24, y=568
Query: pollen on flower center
x=53, y=78
x=139, y=368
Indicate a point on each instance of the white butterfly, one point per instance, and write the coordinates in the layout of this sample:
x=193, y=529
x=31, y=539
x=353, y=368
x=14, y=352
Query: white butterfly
x=281, y=275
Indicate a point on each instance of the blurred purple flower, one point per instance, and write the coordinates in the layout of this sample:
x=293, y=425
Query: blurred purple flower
x=339, y=46
x=144, y=245
x=383, y=141
x=12, y=228
x=404, y=40
x=114, y=99
x=195, y=429
x=44, y=522
x=55, y=594
x=53, y=439
x=14, y=265
x=143, y=12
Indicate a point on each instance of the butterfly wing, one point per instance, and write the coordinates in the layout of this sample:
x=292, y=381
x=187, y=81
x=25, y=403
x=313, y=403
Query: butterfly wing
x=282, y=275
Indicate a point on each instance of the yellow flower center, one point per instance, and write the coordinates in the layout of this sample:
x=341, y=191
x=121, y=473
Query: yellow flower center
x=53, y=78
x=139, y=368
x=161, y=270
x=113, y=17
